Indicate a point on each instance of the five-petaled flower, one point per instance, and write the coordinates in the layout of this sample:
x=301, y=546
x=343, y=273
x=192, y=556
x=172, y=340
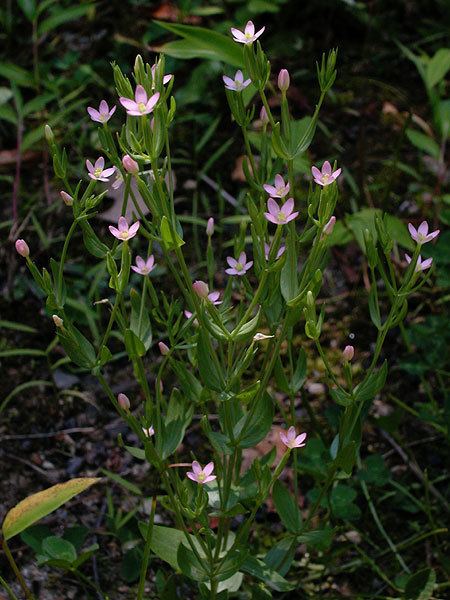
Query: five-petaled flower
x=237, y=84
x=240, y=266
x=421, y=265
x=98, y=171
x=144, y=267
x=142, y=104
x=267, y=249
x=291, y=440
x=248, y=36
x=280, y=216
x=103, y=114
x=123, y=232
x=421, y=235
x=279, y=190
x=200, y=475
x=326, y=176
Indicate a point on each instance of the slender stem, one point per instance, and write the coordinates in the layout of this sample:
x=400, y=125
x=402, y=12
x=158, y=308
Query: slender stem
x=16, y=570
x=146, y=556
x=63, y=258
x=9, y=591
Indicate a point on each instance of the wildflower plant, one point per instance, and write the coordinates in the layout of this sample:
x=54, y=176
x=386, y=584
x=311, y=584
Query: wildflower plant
x=236, y=348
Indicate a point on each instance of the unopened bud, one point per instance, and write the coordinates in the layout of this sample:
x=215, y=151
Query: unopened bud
x=22, y=248
x=310, y=299
x=210, y=227
x=124, y=401
x=201, y=289
x=58, y=321
x=258, y=337
x=49, y=134
x=263, y=116
x=130, y=165
x=348, y=353
x=67, y=198
x=328, y=228
x=284, y=80
x=163, y=348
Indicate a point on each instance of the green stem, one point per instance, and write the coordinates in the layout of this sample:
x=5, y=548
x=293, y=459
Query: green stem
x=146, y=556
x=63, y=258
x=17, y=572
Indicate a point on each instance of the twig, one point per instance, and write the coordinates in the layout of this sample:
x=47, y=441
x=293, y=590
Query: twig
x=30, y=436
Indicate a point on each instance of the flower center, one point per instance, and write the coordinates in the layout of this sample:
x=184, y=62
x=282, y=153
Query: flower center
x=144, y=270
x=239, y=267
x=98, y=172
x=248, y=36
x=141, y=107
x=281, y=216
x=325, y=178
x=238, y=85
x=123, y=235
x=201, y=476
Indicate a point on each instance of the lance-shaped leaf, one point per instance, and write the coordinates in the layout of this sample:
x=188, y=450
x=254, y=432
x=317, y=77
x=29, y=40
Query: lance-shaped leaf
x=40, y=505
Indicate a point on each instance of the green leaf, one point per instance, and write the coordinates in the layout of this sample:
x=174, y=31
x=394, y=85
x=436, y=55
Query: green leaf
x=76, y=535
x=28, y=8
x=191, y=566
x=165, y=542
x=135, y=348
x=171, y=241
x=200, y=42
x=140, y=320
x=59, y=548
x=63, y=15
x=287, y=507
x=34, y=536
x=92, y=243
x=16, y=74
x=299, y=375
x=259, y=569
x=370, y=386
x=131, y=487
x=374, y=471
x=346, y=457
x=40, y=505
x=179, y=415
x=209, y=370
x=437, y=67
x=289, y=283
x=341, y=502
x=420, y=585
x=423, y=142
x=319, y=539
x=259, y=424
x=280, y=556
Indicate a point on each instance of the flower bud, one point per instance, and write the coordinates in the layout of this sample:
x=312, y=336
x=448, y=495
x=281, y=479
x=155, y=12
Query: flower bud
x=201, y=289
x=328, y=228
x=163, y=348
x=22, y=248
x=258, y=337
x=58, y=321
x=284, y=80
x=263, y=116
x=67, y=198
x=124, y=401
x=348, y=353
x=130, y=165
x=210, y=227
x=49, y=136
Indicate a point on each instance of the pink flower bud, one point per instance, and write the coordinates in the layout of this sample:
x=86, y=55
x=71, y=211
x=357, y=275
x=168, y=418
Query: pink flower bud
x=210, y=227
x=130, y=165
x=163, y=348
x=58, y=321
x=263, y=116
x=124, y=401
x=283, y=80
x=348, y=353
x=67, y=198
x=328, y=228
x=201, y=289
x=22, y=248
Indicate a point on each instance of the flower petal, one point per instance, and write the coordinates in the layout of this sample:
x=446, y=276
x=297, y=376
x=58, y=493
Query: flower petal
x=208, y=469
x=273, y=207
x=288, y=207
x=326, y=168
x=140, y=95
x=122, y=224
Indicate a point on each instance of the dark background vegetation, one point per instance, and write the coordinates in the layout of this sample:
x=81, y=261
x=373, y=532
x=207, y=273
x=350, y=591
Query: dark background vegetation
x=51, y=69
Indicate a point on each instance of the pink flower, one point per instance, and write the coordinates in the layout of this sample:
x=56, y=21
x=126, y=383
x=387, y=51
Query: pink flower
x=291, y=440
x=141, y=105
x=143, y=267
x=283, y=80
x=264, y=117
x=98, y=171
x=348, y=353
x=267, y=249
x=200, y=475
x=67, y=198
x=279, y=190
x=329, y=226
x=214, y=298
x=103, y=114
x=238, y=267
x=326, y=176
x=210, y=227
x=124, y=401
x=163, y=348
x=118, y=181
x=124, y=232
x=421, y=235
x=22, y=248
x=237, y=84
x=130, y=165
x=201, y=289
x=421, y=265
x=148, y=431
x=248, y=36
x=166, y=78
x=280, y=216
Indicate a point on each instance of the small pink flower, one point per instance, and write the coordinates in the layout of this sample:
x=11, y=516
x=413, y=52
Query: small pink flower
x=166, y=78
x=141, y=105
x=248, y=36
x=329, y=226
x=210, y=227
x=421, y=265
x=421, y=235
x=283, y=80
x=130, y=165
x=148, y=431
x=187, y=314
x=280, y=216
x=201, y=289
x=118, y=181
x=124, y=401
x=98, y=171
x=22, y=248
x=263, y=116
x=103, y=114
x=238, y=267
x=326, y=176
x=267, y=249
x=67, y=198
x=291, y=440
x=200, y=475
x=124, y=232
x=144, y=267
x=214, y=298
x=279, y=190
x=348, y=353
x=163, y=348
x=237, y=84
